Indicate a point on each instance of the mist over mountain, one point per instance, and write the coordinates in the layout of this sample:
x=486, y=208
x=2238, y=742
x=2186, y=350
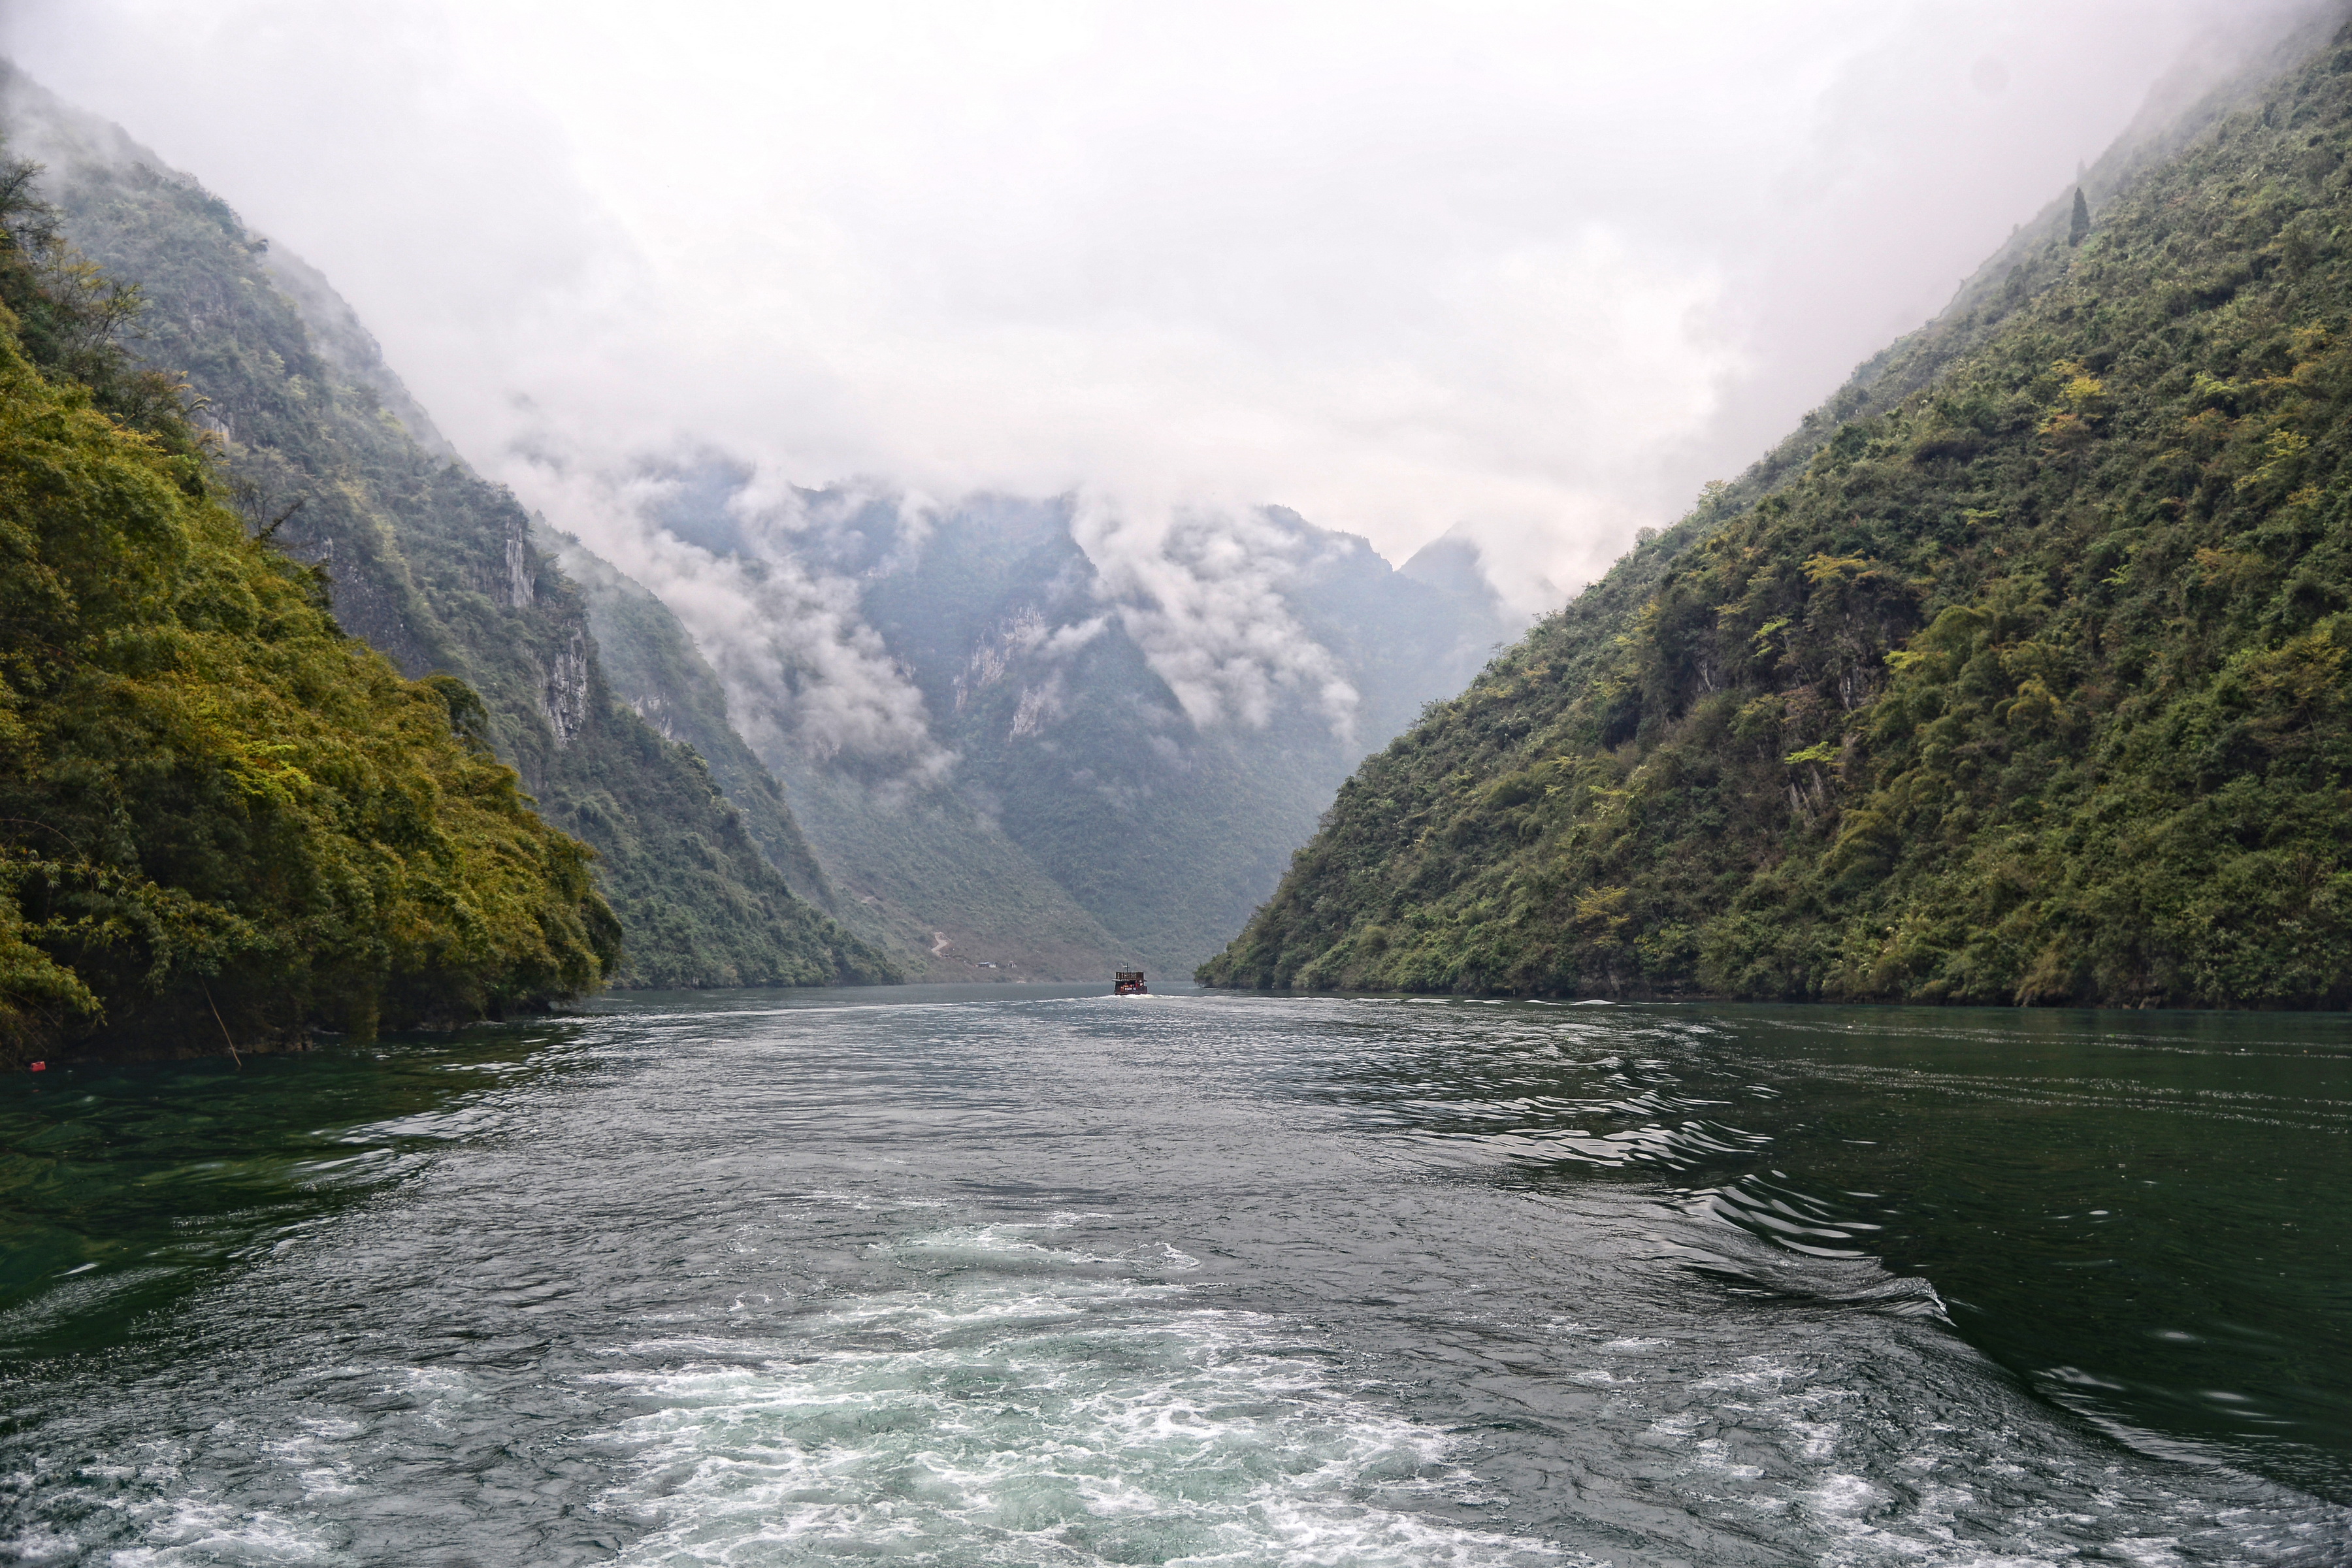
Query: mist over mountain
x=1536, y=273
x=751, y=504
x=1027, y=737
x=1020, y=728
x=1003, y=737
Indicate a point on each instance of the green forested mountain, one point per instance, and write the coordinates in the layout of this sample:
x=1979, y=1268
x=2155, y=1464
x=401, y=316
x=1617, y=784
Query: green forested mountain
x=2017, y=675
x=223, y=822
x=430, y=564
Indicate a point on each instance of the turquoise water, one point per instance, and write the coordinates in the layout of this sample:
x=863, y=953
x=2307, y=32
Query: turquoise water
x=1013, y=1276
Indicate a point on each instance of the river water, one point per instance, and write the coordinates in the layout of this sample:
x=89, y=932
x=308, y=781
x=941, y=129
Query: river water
x=1017, y=1276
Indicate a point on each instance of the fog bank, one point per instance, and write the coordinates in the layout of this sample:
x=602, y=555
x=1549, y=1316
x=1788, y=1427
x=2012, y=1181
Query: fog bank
x=1530, y=273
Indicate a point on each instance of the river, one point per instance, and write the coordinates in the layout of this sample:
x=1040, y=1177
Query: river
x=966, y=1276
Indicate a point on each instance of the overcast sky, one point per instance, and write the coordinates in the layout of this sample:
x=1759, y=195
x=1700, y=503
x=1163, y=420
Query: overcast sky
x=1533, y=271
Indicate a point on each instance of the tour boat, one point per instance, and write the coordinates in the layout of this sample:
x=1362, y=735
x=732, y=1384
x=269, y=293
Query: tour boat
x=1129, y=982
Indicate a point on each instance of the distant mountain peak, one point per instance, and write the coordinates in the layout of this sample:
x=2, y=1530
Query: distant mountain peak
x=1452, y=564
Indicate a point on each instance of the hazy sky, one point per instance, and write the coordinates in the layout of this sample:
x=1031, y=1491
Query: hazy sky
x=1535, y=271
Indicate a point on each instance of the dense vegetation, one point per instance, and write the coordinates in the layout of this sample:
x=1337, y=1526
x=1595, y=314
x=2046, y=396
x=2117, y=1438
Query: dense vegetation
x=433, y=565
x=223, y=822
x=2026, y=682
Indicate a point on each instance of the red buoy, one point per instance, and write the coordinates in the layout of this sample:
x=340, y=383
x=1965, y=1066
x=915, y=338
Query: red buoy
x=40, y=1067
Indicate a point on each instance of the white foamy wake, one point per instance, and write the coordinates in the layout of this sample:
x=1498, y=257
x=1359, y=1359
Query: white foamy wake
x=1035, y=1406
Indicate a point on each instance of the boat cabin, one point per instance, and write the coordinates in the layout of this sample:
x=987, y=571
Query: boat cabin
x=1129, y=982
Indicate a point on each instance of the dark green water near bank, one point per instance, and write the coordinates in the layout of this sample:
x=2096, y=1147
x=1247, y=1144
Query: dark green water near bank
x=977, y=1275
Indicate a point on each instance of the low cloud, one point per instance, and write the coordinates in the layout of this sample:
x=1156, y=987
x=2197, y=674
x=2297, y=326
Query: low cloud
x=1531, y=273
x=1200, y=592
x=803, y=670
x=769, y=581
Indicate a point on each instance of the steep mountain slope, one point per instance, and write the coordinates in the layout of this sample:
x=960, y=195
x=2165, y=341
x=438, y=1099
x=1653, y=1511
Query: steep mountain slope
x=919, y=861
x=222, y=821
x=1088, y=816
x=434, y=567
x=2017, y=676
x=646, y=655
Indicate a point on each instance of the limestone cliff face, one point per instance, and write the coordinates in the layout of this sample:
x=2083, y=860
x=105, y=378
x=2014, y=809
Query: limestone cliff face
x=519, y=593
x=518, y=586
x=563, y=698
